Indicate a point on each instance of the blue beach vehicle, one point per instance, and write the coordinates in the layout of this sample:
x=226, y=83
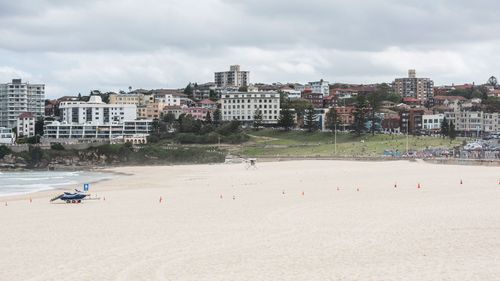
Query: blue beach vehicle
x=71, y=197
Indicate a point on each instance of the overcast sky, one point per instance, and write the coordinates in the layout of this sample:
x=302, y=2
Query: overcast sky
x=77, y=45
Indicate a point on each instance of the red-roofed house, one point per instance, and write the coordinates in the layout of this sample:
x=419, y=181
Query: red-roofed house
x=208, y=104
x=411, y=101
x=26, y=125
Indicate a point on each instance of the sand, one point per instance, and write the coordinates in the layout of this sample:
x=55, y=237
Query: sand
x=443, y=231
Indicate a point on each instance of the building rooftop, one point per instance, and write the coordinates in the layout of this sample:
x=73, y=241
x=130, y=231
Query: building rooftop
x=206, y=101
x=26, y=115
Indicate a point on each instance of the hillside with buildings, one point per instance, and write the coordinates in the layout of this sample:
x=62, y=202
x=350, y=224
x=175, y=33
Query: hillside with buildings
x=231, y=110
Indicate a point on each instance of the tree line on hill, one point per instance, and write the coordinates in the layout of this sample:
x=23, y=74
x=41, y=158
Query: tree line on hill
x=188, y=130
x=366, y=105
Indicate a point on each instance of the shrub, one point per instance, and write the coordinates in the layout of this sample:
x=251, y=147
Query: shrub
x=4, y=150
x=57, y=146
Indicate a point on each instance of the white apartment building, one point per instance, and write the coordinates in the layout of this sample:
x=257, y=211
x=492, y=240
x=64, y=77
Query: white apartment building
x=18, y=97
x=293, y=94
x=6, y=136
x=242, y=106
x=432, y=122
x=232, y=78
x=96, y=112
x=168, y=99
x=57, y=130
x=474, y=122
x=26, y=125
x=320, y=87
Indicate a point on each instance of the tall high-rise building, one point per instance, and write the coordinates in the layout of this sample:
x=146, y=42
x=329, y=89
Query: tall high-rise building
x=18, y=97
x=413, y=87
x=232, y=78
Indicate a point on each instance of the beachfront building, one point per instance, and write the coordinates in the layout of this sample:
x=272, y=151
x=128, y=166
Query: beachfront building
x=421, y=89
x=18, y=97
x=198, y=113
x=316, y=99
x=6, y=136
x=346, y=116
x=150, y=111
x=474, y=123
x=168, y=97
x=234, y=78
x=96, y=112
x=175, y=110
x=431, y=123
x=91, y=132
x=242, y=106
x=26, y=125
x=95, y=120
x=412, y=121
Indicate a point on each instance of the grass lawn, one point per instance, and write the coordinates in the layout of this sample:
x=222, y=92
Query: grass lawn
x=301, y=143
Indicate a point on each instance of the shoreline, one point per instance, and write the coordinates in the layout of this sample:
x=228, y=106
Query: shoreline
x=47, y=193
x=112, y=169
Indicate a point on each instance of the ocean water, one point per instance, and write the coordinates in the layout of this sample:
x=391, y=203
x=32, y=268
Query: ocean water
x=16, y=183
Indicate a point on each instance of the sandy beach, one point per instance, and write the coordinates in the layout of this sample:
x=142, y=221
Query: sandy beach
x=298, y=220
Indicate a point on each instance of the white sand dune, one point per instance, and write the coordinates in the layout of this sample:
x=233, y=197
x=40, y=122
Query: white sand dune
x=442, y=231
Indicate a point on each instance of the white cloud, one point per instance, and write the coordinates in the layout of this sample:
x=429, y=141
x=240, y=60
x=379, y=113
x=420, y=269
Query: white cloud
x=76, y=46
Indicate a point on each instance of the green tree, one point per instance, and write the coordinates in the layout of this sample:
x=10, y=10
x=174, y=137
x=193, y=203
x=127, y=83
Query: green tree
x=257, y=119
x=217, y=117
x=491, y=105
x=310, y=119
x=332, y=119
x=452, y=131
x=360, y=112
x=286, y=119
x=187, y=124
x=493, y=81
x=169, y=118
x=189, y=90
x=283, y=99
x=375, y=101
x=445, y=127
x=155, y=127
x=300, y=106
x=39, y=126
x=213, y=95
x=208, y=118
x=4, y=150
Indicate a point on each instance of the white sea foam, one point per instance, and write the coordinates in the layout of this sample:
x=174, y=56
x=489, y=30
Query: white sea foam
x=16, y=183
